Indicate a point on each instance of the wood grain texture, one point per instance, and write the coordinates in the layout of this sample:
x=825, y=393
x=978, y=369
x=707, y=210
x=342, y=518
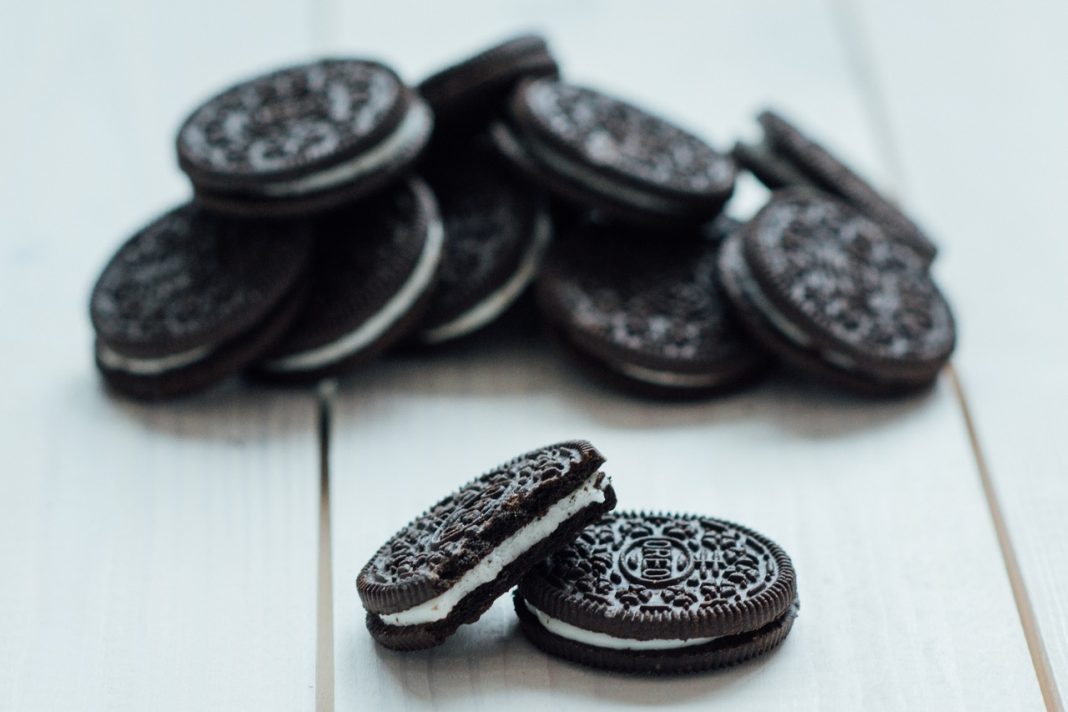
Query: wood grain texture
x=905, y=603
x=150, y=557
x=979, y=119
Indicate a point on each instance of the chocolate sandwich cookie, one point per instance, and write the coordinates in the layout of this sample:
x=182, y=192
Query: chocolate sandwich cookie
x=448, y=566
x=496, y=231
x=303, y=139
x=787, y=157
x=603, y=153
x=466, y=94
x=653, y=318
x=194, y=297
x=660, y=593
x=373, y=270
x=831, y=292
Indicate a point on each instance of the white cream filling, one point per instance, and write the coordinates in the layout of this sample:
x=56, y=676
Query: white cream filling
x=666, y=378
x=601, y=184
x=412, y=129
x=149, y=366
x=366, y=333
x=603, y=640
x=486, y=570
x=491, y=307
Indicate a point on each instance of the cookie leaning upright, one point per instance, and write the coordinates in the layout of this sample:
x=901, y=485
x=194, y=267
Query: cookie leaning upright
x=448, y=565
x=788, y=158
x=194, y=297
x=603, y=153
x=660, y=593
x=373, y=269
x=496, y=231
x=835, y=295
x=303, y=139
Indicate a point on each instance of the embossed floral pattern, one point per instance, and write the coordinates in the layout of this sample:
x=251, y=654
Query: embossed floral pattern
x=655, y=563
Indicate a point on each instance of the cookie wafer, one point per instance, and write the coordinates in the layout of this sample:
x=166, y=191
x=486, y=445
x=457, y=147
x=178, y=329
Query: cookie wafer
x=650, y=316
x=374, y=267
x=466, y=94
x=660, y=593
x=303, y=139
x=194, y=297
x=831, y=293
x=603, y=153
x=448, y=565
x=496, y=231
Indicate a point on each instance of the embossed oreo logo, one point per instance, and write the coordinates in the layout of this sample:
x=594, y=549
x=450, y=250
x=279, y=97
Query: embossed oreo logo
x=656, y=561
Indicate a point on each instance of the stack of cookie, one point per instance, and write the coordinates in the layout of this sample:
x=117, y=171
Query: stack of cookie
x=338, y=212
x=626, y=591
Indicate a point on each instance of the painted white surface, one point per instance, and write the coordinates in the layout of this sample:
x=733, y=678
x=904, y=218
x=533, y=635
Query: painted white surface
x=904, y=599
x=978, y=110
x=151, y=558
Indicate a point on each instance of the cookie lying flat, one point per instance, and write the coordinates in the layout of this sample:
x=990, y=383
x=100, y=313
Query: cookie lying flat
x=193, y=298
x=787, y=157
x=448, y=566
x=833, y=294
x=603, y=153
x=653, y=315
x=496, y=232
x=660, y=593
x=466, y=94
x=303, y=139
x=374, y=267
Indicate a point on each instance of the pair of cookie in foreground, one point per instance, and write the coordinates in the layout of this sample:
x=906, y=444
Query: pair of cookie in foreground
x=627, y=591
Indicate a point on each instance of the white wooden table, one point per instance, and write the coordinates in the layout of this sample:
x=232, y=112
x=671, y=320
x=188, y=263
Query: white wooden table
x=202, y=556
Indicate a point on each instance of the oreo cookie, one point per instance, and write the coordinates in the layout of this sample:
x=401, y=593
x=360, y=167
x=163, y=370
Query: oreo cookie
x=194, y=297
x=606, y=154
x=466, y=94
x=303, y=139
x=787, y=157
x=496, y=232
x=374, y=267
x=660, y=593
x=833, y=294
x=651, y=317
x=448, y=565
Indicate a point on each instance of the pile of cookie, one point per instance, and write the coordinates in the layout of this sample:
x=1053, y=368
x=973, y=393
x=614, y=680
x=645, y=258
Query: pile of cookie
x=627, y=591
x=338, y=212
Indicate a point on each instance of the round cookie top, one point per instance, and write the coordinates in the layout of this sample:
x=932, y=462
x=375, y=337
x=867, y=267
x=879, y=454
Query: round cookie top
x=362, y=257
x=664, y=576
x=829, y=173
x=191, y=279
x=426, y=557
x=464, y=89
x=489, y=219
x=841, y=279
x=290, y=122
x=610, y=135
x=631, y=299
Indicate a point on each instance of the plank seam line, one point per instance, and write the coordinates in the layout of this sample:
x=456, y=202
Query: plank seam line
x=324, y=603
x=1035, y=644
x=857, y=47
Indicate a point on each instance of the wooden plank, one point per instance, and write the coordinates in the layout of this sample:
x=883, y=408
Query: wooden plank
x=980, y=129
x=150, y=557
x=904, y=599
